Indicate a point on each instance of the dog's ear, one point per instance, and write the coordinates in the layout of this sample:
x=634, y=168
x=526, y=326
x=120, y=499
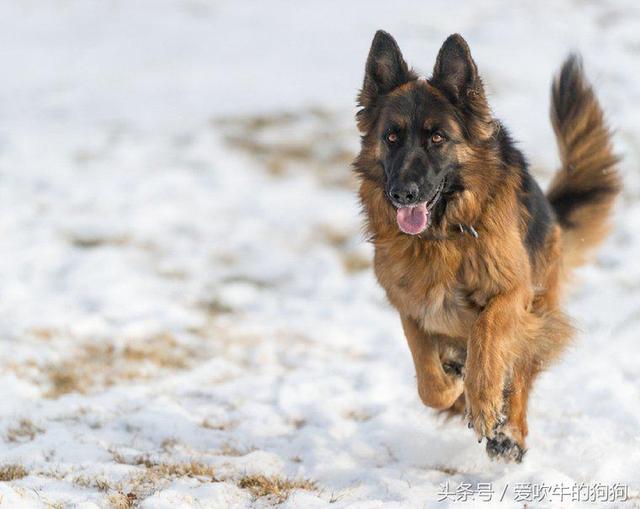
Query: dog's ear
x=385, y=69
x=455, y=72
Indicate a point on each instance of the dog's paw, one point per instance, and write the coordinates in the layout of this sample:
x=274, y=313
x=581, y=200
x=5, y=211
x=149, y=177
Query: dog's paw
x=484, y=416
x=503, y=447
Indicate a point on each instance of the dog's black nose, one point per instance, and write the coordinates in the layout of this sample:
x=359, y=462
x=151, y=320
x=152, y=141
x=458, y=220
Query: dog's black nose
x=405, y=194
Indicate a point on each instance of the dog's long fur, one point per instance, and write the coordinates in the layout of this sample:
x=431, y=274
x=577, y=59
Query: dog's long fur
x=481, y=314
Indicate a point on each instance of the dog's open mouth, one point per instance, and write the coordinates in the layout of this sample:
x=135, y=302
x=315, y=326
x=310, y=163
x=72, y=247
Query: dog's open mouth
x=416, y=218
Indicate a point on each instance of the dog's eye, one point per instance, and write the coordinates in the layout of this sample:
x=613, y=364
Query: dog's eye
x=392, y=137
x=437, y=138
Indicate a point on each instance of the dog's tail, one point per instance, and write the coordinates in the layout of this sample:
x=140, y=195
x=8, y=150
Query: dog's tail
x=583, y=191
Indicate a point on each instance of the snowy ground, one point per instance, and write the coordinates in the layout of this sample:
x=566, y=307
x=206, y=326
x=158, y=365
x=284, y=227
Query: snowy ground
x=187, y=312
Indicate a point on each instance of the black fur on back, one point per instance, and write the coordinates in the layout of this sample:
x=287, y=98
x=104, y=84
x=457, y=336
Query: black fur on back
x=540, y=214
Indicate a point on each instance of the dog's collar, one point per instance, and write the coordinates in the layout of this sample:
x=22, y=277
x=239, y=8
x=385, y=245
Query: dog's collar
x=464, y=228
x=457, y=233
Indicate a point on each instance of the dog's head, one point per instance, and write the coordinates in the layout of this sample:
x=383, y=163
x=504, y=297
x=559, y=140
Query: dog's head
x=422, y=139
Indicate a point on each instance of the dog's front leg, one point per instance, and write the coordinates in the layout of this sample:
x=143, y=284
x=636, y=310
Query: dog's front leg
x=488, y=360
x=437, y=389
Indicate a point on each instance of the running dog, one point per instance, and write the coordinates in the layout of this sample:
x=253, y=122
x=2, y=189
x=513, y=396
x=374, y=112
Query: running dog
x=470, y=251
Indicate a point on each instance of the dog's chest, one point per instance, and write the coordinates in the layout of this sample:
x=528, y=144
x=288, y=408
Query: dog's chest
x=426, y=287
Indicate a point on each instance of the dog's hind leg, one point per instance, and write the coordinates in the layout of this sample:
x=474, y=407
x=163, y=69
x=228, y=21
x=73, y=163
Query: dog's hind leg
x=452, y=359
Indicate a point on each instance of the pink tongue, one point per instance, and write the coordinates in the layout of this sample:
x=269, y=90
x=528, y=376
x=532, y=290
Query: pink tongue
x=413, y=220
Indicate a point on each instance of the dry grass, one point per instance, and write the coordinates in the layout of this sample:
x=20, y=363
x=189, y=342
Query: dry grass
x=352, y=259
x=158, y=470
x=216, y=307
x=192, y=469
x=169, y=444
x=298, y=423
x=334, y=237
x=163, y=351
x=99, y=483
x=217, y=425
x=91, y=242
x=358, y=415
x=274, y=487
x=64, y=381
x=149, y=478
x=43, y=333
x=121, y=500
x=156, y=475
x=313, y=140
x=230, y=450
x=152, y=476
x=24, y=431
x=94, y=366
x=445, y=470
x=248, y=280
x=11, y=472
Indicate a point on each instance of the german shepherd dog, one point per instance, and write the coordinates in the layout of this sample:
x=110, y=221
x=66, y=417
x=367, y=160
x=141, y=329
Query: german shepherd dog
x=468, y=248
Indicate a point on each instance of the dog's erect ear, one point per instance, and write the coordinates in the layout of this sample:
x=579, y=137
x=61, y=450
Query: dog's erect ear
x=455, y=72
x=385, y=69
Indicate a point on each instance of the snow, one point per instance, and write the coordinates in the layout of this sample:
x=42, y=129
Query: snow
x=183, y=276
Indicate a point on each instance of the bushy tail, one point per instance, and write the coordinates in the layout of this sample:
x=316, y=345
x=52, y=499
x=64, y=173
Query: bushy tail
x=584, y=189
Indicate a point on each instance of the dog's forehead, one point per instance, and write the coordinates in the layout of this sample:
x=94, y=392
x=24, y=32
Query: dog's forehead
x=416, y=102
